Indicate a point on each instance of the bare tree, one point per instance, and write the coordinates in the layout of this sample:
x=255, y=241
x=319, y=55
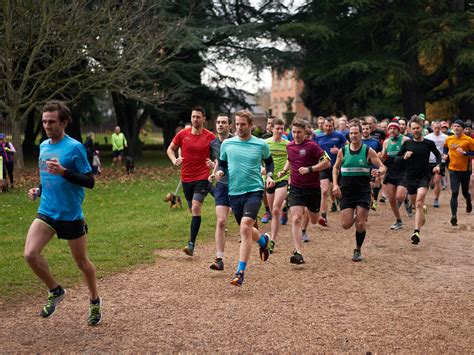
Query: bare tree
x=61, y=50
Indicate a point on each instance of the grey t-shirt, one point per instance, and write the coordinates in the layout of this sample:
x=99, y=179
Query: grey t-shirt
x=215, y=154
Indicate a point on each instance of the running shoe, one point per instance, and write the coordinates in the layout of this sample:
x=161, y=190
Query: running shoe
x=397, y=225
x=374, y=205
x=305, y=238
x=334, y=207
x=238, y=279
x=408, y=208
x=383, y=199
x=415, y=238
x=357, y=256
x=271, y=246
x=189, y=249
x=218, y=264
x=468, y=205
x=267, y=216
x=264, y=252
x=296, y=258
x=95, y=313
x=436, y=203
x=284, y=218
x=52, y=303
x=323, y=221
x=454, y=221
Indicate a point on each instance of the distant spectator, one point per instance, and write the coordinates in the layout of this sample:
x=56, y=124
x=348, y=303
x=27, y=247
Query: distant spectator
x=7, y=150
x=89, y=145
x=96, y=164
x=119, y=143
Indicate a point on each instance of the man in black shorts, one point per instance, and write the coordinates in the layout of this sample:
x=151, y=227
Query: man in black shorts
x=64, y=172
x=305, y=159
x=415, y=154
x=353, y=163
x=195, y=162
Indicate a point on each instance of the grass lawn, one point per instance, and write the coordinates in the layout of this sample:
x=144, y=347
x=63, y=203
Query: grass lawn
x=127, y=220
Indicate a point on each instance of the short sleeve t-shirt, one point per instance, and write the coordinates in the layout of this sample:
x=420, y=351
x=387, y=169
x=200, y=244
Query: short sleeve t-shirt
x=60, y=199
x=439, y=141
x=305, y=154
x=244, y=163
x=195, y=149
x=215, y=154
x=279, y=155
x=328, y=141
x=459, y=162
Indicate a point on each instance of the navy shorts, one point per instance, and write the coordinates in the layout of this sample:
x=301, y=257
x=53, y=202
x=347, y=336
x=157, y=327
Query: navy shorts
x=279, y=184
x=246, y=205
x=309, y=198
x=351, y=199
x=196, y=190
x=65, y=229
x=221, y=194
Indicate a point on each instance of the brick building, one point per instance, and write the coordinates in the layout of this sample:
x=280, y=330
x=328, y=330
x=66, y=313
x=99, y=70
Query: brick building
x=284, y=86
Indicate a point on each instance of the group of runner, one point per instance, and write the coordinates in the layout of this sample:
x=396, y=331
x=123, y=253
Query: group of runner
x=303, y=170
x=297, y=170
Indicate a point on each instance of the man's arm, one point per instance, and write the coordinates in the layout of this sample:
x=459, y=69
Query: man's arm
x=374, y=159
x=171, y=152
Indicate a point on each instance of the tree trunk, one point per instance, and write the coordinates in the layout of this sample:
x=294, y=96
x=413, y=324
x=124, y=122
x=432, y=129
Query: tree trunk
x=16, y=132
x=30, y=134
x=74, y=128
x=169, y=131
x=413, y=99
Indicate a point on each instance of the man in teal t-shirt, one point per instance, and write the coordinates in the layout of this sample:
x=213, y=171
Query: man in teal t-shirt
x=241, y=158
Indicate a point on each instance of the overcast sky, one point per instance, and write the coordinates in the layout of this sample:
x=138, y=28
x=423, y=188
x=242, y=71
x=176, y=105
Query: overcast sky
x=245, y=78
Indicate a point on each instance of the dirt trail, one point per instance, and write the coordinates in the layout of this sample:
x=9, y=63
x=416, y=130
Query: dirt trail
x=401, y=298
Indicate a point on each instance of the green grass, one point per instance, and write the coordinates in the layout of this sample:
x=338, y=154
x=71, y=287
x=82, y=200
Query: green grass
x=127, y=220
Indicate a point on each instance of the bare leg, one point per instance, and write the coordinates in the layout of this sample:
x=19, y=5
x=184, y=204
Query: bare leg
x=78, y=249
x=221, y=213
x=38, y=236
x=276, y=205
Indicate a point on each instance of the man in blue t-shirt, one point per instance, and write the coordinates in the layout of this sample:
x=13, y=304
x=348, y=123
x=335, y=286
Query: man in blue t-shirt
x=240, y=159
x=64, y=172
x=331, y=142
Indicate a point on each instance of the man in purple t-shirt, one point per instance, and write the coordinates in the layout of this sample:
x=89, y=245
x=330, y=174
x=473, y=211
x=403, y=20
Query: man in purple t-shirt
x=305, y=160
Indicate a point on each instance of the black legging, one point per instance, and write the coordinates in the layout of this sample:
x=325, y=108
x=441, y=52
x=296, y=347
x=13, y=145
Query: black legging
x=457, y=178
x=9, y=165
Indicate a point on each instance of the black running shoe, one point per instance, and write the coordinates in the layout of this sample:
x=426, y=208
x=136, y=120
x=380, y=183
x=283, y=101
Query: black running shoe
x=415, y=238
x=238, y=279
x=454, y=221
x=52, y=303
x=468, y=205
x=218, y=264
x=296, y=258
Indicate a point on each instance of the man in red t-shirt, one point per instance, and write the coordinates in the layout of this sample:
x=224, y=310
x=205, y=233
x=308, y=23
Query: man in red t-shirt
x=195, y=163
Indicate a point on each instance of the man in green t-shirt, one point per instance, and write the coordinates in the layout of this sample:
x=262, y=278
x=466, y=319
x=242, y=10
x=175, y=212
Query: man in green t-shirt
x=119, y=143
x=276, y=195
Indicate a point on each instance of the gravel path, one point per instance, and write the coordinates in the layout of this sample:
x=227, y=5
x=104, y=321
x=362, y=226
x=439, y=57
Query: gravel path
x=401, y=298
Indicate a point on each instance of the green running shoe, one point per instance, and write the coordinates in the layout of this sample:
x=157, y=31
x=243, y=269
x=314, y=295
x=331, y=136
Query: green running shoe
x=95, y=313
x=52, y=303
x=415, y=238
x=271, y=246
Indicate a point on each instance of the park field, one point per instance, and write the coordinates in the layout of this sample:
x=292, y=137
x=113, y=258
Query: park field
x=127, y=220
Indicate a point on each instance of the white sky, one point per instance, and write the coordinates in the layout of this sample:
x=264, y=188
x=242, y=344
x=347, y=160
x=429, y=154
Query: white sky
x=245, y=78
